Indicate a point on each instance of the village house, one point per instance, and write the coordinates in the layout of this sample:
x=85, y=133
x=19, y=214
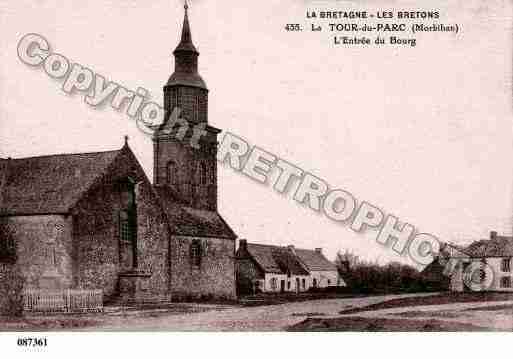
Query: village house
x=458, y=267
x=93, y=221
x=270, y=268
x=496, y=252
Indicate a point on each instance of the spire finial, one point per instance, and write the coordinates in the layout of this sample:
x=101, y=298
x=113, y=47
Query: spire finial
x=126, y=140
x=185, y=6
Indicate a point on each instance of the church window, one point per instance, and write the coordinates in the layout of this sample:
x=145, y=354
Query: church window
x=124, y=224
x=7, y=248
x=128, y=222
x=196, y=252
x=203, y=173
x=506, y=282
x=196, y=110
x=171, y=173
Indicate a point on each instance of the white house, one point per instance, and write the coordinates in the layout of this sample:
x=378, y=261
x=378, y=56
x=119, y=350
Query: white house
x=269, y=268
x=483, y=265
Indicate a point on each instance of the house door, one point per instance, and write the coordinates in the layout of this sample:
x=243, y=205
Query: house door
x=297, y=285
x=282, y=286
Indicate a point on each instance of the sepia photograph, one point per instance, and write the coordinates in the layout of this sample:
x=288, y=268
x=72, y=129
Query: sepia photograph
x=293, y=166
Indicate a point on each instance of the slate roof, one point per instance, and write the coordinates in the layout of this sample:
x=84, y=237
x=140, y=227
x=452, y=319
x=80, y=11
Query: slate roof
x=315, y=261
x=501, y=246
x=189, y=221
x=263, y=255
x=54, y=184
x=288, y=262
x=283, y=260
x=49, y=184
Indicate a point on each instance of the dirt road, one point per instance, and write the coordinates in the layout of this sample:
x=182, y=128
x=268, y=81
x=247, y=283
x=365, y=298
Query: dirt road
x=263, y=318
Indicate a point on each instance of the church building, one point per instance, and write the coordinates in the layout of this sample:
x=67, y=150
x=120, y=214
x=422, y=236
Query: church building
x=94, y=221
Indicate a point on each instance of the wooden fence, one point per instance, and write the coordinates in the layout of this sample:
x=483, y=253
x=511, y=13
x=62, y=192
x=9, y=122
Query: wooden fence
x=63, y=301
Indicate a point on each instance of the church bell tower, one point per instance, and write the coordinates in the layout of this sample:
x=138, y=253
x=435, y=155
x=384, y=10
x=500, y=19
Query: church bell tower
x=189, y=171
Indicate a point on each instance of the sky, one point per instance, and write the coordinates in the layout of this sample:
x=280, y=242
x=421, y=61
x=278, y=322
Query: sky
x=422, y=132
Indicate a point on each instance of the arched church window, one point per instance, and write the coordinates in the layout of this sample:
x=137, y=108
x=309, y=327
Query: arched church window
x=128, y=223
x=171, y=173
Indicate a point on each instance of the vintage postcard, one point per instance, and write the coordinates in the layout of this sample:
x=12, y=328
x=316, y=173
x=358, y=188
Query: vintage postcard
x=281, y=166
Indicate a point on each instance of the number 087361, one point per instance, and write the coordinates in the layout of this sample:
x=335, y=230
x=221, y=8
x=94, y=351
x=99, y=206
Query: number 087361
x=32, y=342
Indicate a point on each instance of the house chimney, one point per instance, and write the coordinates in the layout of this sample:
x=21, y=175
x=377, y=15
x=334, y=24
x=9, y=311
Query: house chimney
x=318, y=250
x=243, y=244
x=493, y=235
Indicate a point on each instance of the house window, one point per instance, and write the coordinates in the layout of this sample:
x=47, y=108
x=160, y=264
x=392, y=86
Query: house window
x=315, y=283
x=505, y=265
x=506, y=282
x=304, y=283
x=288, y=284
x=196, y=252
x=274, y=283
x=329, y=282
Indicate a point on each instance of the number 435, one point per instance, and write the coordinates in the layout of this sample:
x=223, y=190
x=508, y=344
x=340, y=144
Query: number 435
x=292, y=27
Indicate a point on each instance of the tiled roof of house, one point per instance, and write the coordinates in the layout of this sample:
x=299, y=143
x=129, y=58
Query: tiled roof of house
x=189, y=221
x=263, y=255
x=288, y=262
x=500, y=246
x=315, y=261
x=49, y=184
x=276, y=259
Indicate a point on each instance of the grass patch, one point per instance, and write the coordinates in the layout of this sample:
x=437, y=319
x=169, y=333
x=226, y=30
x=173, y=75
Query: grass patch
x=444, y=298
x=363, y=324
x=427, y=314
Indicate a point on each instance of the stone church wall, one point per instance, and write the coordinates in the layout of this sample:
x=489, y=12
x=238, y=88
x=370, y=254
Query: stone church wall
x=43, y=249
x=97, y=238
x=153, y=242
x=11, y=288
x=213, y=278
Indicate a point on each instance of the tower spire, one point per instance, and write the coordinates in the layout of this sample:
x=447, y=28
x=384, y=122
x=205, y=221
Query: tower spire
x=186, y=58
x=186, y=39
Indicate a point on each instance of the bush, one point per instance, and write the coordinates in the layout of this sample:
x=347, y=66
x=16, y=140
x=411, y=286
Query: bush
x=366, y=277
